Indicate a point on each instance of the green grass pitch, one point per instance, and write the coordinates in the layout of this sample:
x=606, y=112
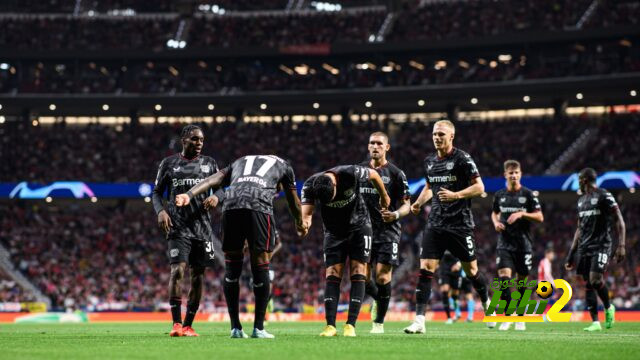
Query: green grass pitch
x=301, y=341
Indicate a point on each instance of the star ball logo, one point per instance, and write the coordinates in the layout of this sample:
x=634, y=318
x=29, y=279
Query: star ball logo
x=521, y=301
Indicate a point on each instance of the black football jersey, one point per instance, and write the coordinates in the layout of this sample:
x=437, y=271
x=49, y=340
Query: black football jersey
x=253, y=180
x=347, y=211
x=516, y=236
x=594, y=221
x=176, y=175
x=397, y=186
x=453, y=172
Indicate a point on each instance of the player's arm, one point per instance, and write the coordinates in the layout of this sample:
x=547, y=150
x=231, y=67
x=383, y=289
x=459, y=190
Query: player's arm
x=376, y=181
x=206, y=184
x=307, y=216
x=570, y=262
x=497, y=224
x=620, y=229
x=533, y=213
x=474, y=190
x=278, y=245
x=164, y=220
x=293, y=203
x=402, y=190
x=425, y=195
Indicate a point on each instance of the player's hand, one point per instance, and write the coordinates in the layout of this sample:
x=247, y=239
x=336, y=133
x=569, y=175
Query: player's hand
x=182, y=200
x=302, y=230
x=447, y=195
x=620, y=254
x=499, y=226
x=514, y=217
x=211, y=202
x=385, y=202
x=415, y=208
x=164, y=221
x=387, y=216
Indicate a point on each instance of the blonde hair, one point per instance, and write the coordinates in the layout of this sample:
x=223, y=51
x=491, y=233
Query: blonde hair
x=446, y=123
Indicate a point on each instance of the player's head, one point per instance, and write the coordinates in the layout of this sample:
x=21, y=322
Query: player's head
x=512, y=172
x=587, y=178
x=443, y=133
x=378, y=145
x=323, y=188
x=549, y=253
x=192, y=139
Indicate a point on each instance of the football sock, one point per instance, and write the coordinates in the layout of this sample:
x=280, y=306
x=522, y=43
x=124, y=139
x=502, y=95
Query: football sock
x=445, y=303
x=371, y=289
x=384, y=296
x=423, y=291
x=192, y=309
x=355, y=297
x=603, y=294
x=506, y=294
x=231, y=288
x=592, y=302
x=331, y=298
x=480, y=284
x=176, y=310
x=261, y=289
x=471, y=306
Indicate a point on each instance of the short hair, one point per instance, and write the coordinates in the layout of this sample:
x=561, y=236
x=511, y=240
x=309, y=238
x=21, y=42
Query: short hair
x=446, y=123
x=380, y=133
x=323, y=188
x=588, y=174
x=511, y=164
x=187, y=129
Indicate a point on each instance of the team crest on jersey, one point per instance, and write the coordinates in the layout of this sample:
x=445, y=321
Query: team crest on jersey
x=449, y=165
x=386, y=179
x=205, y=168
x=503, y=199
x=348, y=193
x=522, y=199
x=594, y=201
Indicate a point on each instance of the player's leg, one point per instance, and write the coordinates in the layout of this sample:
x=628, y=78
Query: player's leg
x=463, y=246
x=430, y=254
x=371, y=287
x=178, y=253
x=356, y=295
x=384, y=274
x=504, y=274
x=471, y=305
x=584, y=265
x=261, y=290
x=195, y=295
x=521, y=276
x=233, y=238
x=454, y=302
x=444, y=293
x=333, y=277
x=596, y=279
x=359, y=250
x=335, y=255
x=261, y=239
x=175, y=297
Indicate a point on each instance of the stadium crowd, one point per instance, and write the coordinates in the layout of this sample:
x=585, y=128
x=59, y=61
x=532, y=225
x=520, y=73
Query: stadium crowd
x=227, y=75
x=434, y=21
x=101, y=153
x=113, y=257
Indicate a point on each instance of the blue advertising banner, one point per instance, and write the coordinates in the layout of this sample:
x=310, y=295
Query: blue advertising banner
x=613, y=180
